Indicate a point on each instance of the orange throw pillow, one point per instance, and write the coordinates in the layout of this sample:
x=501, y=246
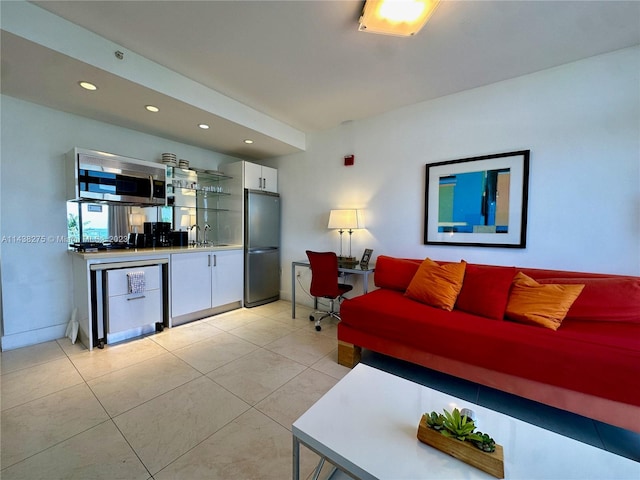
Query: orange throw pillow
x=536, y=304
x=437, y=285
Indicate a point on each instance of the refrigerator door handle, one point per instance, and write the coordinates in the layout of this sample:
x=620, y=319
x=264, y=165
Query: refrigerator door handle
x=261, y=250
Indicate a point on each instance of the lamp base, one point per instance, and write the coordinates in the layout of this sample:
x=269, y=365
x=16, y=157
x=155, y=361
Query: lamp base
x=347, y=262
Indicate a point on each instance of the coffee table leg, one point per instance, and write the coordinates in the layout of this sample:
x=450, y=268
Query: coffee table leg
x=296, y=458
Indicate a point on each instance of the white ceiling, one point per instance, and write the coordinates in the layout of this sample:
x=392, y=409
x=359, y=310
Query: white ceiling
x=304, y=63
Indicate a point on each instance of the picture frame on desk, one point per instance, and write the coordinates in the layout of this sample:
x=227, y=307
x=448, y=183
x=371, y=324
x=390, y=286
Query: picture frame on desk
x=366, y=256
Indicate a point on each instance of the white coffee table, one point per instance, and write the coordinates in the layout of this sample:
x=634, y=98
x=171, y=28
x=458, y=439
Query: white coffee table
x=367, y=423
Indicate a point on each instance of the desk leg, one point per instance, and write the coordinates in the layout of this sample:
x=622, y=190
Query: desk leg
x=365, y=283
x=293, y=290
x=296, y=458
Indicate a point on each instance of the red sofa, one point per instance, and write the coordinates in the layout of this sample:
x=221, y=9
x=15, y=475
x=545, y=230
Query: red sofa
x=590, y=365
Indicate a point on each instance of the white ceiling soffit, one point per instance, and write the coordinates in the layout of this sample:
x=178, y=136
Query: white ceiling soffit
x=49, y=75
x=302, y=66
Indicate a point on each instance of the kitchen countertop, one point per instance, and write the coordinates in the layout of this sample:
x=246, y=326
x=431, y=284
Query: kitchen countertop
x=136, y=252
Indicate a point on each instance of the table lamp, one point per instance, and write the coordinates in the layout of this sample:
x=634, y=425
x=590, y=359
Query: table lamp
x=136, y=220
x=342, y=220
x=185, y=222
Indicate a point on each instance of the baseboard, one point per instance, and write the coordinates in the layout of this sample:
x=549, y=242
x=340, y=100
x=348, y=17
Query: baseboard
x=32, y=337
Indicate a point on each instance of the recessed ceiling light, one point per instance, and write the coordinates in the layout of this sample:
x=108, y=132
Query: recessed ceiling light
x=248, y=141
x=152, y=108
x=88, y=85
x=203, y=126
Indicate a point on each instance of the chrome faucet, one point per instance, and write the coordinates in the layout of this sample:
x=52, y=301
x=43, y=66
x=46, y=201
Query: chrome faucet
x=197, y=227
x=206, y=229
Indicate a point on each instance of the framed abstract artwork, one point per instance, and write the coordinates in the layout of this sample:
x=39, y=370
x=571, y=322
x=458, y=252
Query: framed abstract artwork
x=478, y=201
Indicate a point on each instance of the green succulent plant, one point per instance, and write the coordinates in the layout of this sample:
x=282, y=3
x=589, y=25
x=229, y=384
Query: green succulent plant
x=485, y=443
x=435, y=421
x=455, y=425
x=458, y=426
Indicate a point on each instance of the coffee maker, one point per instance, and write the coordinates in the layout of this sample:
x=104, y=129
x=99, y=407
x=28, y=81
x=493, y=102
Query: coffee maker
x=157, y=234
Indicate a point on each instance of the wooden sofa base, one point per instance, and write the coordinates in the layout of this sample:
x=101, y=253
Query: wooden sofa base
x=608, y=411
x=348, y=354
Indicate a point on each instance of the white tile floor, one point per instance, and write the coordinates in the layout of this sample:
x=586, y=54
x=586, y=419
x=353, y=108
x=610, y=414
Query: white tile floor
x=213, y=399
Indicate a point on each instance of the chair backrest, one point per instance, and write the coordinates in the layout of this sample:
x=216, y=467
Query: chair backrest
x=324, y=274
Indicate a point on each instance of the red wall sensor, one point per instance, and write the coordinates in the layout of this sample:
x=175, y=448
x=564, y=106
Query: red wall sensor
x=349, y=160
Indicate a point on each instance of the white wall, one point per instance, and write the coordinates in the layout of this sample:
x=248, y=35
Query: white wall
x=581, y=122
x=36, y=277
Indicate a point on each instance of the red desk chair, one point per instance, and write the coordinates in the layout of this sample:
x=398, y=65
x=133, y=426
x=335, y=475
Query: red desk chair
x=324, y=283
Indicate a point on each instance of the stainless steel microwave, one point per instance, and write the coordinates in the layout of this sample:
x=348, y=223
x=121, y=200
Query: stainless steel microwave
x=104, y=177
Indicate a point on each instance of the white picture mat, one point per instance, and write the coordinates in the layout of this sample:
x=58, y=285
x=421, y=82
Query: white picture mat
x=515, y=164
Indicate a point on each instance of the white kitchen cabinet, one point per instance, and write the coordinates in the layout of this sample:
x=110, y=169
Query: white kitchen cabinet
x=227, y=276
x=204, y=283
x=190, y=283
x=259, y=177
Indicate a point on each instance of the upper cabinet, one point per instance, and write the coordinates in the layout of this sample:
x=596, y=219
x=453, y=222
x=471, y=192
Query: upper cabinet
x=259, y=177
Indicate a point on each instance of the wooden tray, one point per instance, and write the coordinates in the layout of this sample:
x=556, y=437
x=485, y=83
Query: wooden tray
x=492, y=463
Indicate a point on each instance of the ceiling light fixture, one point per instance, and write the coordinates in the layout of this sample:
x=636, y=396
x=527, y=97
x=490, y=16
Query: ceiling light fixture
x=248, y=141
x=203, y=126
x=87, y=85
x=402, y=18
x=152, y=108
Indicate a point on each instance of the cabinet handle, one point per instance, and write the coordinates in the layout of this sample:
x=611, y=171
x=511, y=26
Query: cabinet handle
x=136, y=298
x=264, y=182
x=208, y=260
x=215, y=261
x=259, y=182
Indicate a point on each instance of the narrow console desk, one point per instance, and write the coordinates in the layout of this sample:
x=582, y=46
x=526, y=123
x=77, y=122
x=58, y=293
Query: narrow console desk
x=355, y=270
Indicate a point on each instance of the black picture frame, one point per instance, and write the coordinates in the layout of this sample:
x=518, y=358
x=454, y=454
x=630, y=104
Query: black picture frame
x=366, y=256
x=482, y=220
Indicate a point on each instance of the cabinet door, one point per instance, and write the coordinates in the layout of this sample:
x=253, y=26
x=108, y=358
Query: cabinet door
x=252, y=176
x=190, y=283
x=227, y=277
x=270, y=179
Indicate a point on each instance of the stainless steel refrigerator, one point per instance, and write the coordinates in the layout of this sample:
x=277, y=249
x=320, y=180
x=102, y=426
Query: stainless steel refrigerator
x=261, y=247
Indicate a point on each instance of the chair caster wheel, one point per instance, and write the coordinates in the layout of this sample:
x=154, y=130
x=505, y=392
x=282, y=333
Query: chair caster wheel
x=318, y=328
x=311, y=319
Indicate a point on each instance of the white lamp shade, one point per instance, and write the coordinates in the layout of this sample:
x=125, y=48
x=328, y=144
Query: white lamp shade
x=346, y=219
x=136, y=219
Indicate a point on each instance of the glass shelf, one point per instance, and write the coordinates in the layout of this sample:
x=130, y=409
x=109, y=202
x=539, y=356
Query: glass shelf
x=185, y=187
x=207, y=199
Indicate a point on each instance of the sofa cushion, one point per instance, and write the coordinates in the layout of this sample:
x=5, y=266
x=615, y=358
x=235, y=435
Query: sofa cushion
x=537, y=304
x=437, y=285
x=485, y=290
x=394, y=273
x=614, y=299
